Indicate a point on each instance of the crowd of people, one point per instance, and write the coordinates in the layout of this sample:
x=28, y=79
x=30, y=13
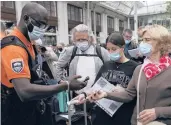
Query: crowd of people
x=34, y=75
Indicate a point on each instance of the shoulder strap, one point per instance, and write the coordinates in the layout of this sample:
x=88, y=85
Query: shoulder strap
x=99, y=53
x=13, y=40
x=73, y=54
x=72, y=57
x=138, y=91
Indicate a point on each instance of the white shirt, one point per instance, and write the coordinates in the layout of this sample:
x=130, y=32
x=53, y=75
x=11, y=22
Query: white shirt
x=86, y=67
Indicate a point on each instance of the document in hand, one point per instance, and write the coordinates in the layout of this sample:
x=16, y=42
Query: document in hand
x=134, y=52
x=109, y=106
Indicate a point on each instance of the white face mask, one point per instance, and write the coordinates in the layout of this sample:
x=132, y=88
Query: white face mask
x=36, y=33
x=83, y=46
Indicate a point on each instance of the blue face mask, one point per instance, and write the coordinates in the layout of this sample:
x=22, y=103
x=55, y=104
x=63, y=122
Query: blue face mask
x=115, y=56
x=145, y=49
x=83, y=46
x=36, y=33
x=127, y=41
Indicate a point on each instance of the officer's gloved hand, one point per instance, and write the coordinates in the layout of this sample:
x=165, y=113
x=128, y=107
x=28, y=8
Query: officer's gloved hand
x=75, y=84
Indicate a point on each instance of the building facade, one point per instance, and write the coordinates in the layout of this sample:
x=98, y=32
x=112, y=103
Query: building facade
x=63, y=16
x=154, y=14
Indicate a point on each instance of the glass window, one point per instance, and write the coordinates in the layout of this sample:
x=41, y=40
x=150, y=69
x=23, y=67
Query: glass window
x=121, y=23
x=8, y=4
x=154, y=21
x=168, y=24
x=69, y=12
x=164, y=23
x=159, y=22
x=81, y=14
x=74, y=13
x=98, y=19
x=110, y=22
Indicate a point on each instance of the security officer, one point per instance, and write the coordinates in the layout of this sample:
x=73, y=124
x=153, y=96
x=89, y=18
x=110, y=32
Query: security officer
x=19, y=93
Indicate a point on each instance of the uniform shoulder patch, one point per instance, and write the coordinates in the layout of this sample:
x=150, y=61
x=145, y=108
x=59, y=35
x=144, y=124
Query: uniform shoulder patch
x=17, y=65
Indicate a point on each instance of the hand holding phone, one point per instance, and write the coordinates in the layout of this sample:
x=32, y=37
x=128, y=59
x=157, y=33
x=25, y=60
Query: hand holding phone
x=86, y=79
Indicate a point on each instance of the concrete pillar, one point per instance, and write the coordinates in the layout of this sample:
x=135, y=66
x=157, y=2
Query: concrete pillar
x=116, y=24
x=129, y=23
x=103, y=34
x=84, y=16
x=86, y=19
x=90, y=23
x=88, y=14
x=104, y=24
x=135, y=21
x=62, y=22
x=94, y=14
x=19, y=5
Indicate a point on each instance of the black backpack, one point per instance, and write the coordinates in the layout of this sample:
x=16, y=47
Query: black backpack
x=98, y=51
x=44, y=110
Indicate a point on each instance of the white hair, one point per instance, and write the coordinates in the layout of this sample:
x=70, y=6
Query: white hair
x=82, y=28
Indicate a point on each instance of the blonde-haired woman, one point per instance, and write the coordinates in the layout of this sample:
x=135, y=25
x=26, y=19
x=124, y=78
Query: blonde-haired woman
x=152, y=80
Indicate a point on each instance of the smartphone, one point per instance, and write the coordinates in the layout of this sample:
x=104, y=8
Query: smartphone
x=87, y=78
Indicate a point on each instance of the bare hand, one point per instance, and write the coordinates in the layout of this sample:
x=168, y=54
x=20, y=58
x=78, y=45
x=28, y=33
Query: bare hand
x=75, y=84
x=147, y=116
x=97, y=95
x=81, y=98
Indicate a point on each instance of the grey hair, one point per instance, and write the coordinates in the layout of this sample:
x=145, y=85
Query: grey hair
x=127, y=31
x=82, y=28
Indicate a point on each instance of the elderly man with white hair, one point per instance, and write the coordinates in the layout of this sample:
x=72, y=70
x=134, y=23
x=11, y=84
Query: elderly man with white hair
x=84, y=58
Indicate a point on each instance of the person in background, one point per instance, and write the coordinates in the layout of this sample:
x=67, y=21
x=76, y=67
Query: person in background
x=86, y=65
x=48, y=58
x=60, y=48
x=154, y=80
x=85, y=58
x=118, y=71
x=2, y=32
x=129, y=45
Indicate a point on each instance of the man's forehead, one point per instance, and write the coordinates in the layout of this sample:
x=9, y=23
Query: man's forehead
x=42, y=17
x=81, y=35
x=128, y=34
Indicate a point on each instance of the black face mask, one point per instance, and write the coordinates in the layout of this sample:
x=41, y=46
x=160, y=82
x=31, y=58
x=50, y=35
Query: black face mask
x=60, y=49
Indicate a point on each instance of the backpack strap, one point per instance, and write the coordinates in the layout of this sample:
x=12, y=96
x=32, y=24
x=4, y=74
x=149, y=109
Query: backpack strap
x=73, y=53
x=99, y=52
x=86, y=55
x=72, y=57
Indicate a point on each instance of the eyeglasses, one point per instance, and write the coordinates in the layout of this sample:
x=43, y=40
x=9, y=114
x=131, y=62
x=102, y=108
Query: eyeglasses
x=127, y=37
x=82, y=40
x=41, y=25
